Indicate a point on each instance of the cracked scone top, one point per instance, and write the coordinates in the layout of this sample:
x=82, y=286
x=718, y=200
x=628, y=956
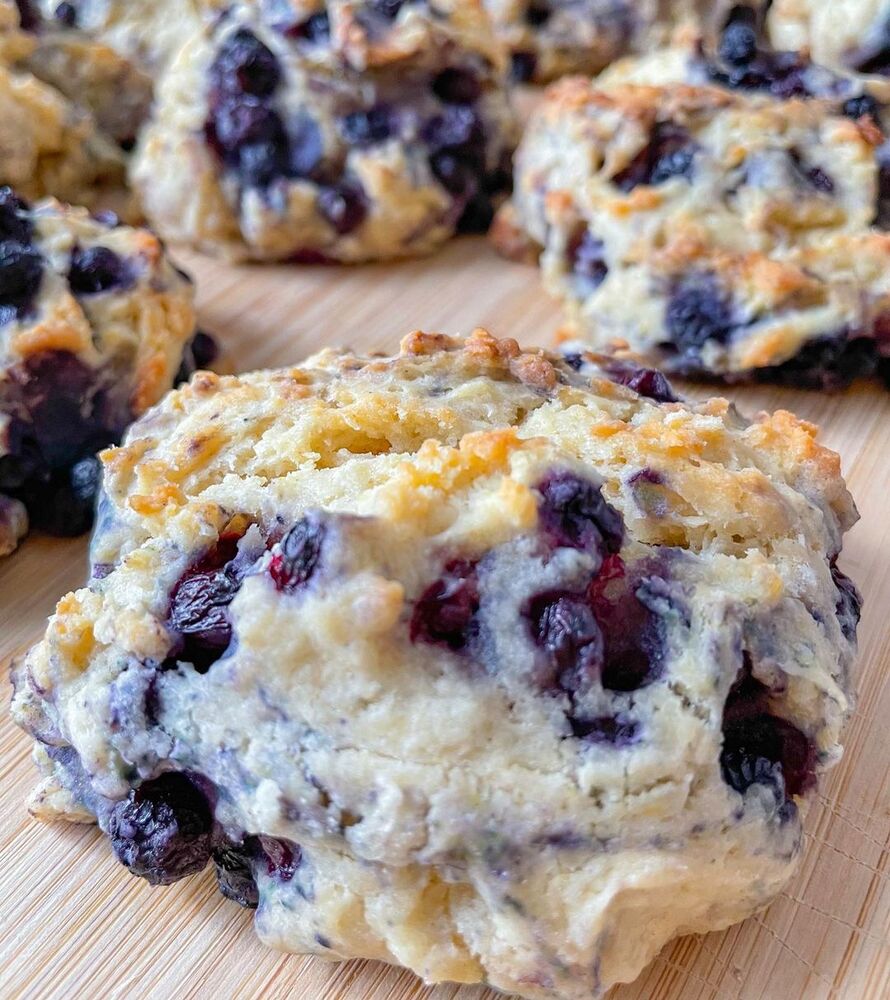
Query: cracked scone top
x=466, y=659
x=345, y=131
x=95, y=324
x=716, y=233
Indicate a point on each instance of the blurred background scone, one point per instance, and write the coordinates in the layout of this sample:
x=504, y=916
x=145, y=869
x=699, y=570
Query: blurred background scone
x=848, y=34
x=147, y=33
x=342, y=131
x=468, y=659
x=552, y=38
x=715, y=233
x=95, y=324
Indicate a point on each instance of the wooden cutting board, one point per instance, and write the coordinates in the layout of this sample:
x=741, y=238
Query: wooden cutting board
x=73, y=924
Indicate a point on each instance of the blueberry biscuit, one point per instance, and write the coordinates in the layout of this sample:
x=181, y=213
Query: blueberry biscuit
x=344, y=131
x=95, y=322
x=716, y=233
x=469, y=659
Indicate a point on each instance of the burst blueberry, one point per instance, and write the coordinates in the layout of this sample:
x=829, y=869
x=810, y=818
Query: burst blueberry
x=698, y=310
x=299, y=554
x=198, y=614
x=21, y=274
x=98, y=269
x=445, y=614
x=669, y=153
x=163, y=830
x=245, y=65
x=344, y=206
x=573, y=513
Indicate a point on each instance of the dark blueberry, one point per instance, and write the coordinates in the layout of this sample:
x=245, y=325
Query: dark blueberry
x=828, y=363
x=760, y=748
x=261, y=163
x=445, y=613
x=98, y=269
x=250, y=137
x=615, y=730
x=538, y=13
x=565, y=629
x=29, y=16
x=244, y=65
x=574, y=514
x=14, y=222
x=162, y=832
x=863, y=106
x=281, y=858
x=820, y=180
x=849, y=603
x=65, y=505
x=456, y=128
x=698, y=310
x=457, y=86
x=66, y=13
x=306, y=147
x=588, y=266
x=882, y=212
x=574, y=360
x=738, y=45
x=669, y=153
x=200, y=353
x=199, y=604
x=455, y=174
x=315, y=29
x=344, y=206
x=646, y=381
x=522, y=66
x=21, y=272
x=234, y=874
x=477, y=216
x=245, y=119
x=366, y=128
x=299, y=553
x=634, y=640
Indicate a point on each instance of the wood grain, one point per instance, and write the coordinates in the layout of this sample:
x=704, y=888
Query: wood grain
x=73, y=924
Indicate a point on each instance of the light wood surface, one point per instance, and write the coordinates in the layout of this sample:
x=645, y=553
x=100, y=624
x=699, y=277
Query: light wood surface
x=73, y=924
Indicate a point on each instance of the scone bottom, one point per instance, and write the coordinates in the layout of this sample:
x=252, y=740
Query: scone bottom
x=499, y=687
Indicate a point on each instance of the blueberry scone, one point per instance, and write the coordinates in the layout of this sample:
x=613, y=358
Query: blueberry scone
x=95, y=322
x=148, y=33
x=86, y=71
x=851, y=34
x=716, y=233
x=551, y=38
x=343, y=131
x=472, y=660
x=51, y=146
